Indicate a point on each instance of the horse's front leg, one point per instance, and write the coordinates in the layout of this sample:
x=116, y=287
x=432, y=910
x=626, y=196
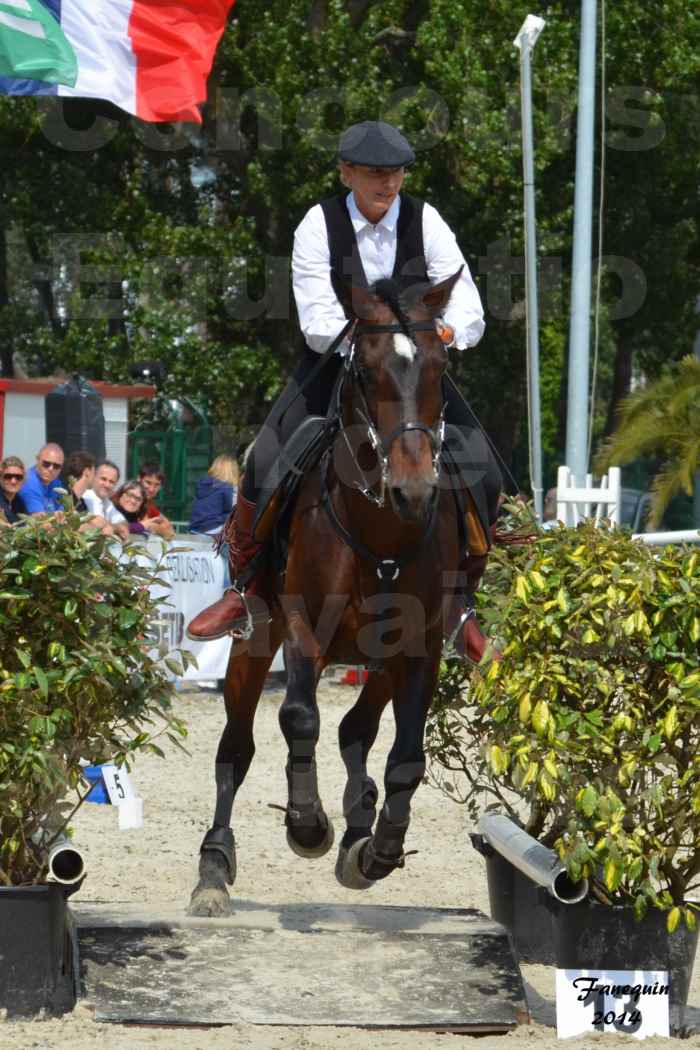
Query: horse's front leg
x=245, y=678
x=356, y=735
x=309, y=831
x=414, y=680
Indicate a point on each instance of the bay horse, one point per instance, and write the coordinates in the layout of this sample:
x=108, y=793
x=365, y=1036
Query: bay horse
x=373, y=533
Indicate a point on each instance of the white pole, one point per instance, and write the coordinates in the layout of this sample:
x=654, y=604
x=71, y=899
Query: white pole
x=525, y=41
x=580, y=322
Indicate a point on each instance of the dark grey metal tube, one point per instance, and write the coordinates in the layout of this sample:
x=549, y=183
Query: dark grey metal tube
x=529, y=856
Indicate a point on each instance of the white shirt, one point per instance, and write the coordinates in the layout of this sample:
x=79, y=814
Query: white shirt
x=320, y=314
x=103, y=507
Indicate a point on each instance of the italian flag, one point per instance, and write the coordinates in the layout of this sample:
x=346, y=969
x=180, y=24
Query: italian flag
x=149, y=57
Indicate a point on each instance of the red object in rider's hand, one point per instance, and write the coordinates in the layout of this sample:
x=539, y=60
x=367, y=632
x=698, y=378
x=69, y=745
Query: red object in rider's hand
x=446, y=333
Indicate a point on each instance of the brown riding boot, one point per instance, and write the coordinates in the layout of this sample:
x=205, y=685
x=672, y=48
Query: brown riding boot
x=230, y=612
x=462, y=632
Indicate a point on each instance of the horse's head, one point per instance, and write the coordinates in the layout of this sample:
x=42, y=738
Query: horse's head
x=397, y=365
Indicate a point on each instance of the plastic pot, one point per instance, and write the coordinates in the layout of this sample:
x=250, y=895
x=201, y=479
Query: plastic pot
x=592, y=936
x=36, y=950
x=520, y=906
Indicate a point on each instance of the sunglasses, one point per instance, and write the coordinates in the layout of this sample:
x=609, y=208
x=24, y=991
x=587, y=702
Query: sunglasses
x=50, y=464
x=13, y=477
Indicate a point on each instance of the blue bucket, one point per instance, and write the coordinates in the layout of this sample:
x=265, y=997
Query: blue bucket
x=98, y=793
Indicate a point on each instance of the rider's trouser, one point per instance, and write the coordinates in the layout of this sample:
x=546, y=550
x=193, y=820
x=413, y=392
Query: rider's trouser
x=290, y=410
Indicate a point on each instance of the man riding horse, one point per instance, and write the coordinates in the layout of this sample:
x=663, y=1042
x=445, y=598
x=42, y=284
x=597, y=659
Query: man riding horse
x=372, y=232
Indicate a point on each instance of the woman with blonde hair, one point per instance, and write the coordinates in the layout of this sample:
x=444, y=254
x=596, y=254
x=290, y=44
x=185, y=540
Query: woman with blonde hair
x=215, y=496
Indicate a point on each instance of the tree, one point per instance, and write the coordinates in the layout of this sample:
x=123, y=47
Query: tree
x=216, y=207
x=662, y=419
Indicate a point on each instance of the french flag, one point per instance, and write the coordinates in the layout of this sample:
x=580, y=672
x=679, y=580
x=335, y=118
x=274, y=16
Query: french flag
x=149, y=57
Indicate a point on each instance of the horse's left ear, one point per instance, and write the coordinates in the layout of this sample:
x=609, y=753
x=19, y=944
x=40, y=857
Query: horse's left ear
x=437, y=296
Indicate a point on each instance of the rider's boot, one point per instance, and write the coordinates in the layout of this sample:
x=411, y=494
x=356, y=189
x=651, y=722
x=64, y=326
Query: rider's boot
x=231, y=613
x=463, y=635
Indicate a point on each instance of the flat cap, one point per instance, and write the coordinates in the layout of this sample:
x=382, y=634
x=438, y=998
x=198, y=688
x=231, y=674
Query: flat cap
x=376, y=145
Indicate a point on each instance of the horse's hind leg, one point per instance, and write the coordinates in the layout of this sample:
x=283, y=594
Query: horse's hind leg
x=309, y=831
x=356, y=735
x=245, y=677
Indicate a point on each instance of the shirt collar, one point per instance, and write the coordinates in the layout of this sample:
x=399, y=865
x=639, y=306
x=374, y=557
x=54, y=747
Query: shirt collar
x=360, y=222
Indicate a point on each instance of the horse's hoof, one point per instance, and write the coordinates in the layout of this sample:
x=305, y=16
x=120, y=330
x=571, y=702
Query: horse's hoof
x=347, y=867
x=211, y=902
x=311, y=852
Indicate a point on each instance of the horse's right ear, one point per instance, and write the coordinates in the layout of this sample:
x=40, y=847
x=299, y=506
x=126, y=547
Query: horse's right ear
x=355, y=301
x=438, y=296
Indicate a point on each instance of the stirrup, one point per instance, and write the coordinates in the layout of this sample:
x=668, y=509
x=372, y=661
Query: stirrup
x=449, y=651
x=243, y=633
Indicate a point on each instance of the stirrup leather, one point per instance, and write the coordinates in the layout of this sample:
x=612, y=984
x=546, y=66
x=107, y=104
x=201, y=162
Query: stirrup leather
x=448, y=646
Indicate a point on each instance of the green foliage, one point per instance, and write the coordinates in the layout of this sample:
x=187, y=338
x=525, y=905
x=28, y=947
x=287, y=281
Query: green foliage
x=76, y=679
x=589, y=728
x=662, y=419
x=218, y=205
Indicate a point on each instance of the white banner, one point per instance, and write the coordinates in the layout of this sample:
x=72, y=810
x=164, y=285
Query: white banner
x=195, y=577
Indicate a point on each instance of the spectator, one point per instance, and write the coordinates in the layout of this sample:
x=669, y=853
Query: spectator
x=151, y=479
x=215, y=496
x=99, y=497
x=79, y=473
x=130, y=501
x=11, y=478
x=549, y=509
x=40, y=490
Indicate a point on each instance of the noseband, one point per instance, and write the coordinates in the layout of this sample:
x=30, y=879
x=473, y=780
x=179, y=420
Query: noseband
x=382, y=445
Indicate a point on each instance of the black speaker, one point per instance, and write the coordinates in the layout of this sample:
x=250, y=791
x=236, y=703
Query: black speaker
x=75, y=418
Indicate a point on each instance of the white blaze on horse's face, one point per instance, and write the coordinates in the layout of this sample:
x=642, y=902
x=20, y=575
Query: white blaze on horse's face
x=404, y=347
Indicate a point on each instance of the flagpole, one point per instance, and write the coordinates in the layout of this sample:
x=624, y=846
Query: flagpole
x=580, y=320
x=525, y=41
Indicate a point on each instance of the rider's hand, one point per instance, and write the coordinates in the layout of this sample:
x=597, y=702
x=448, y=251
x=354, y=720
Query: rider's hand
x=447, y=334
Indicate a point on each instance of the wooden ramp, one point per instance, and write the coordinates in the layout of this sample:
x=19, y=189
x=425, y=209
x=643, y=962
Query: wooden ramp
x=363, y=966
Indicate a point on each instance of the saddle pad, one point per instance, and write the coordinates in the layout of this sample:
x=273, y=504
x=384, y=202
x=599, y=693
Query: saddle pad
x=301, y=451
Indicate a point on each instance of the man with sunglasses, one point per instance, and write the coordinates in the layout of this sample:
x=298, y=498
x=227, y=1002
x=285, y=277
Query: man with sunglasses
x=39, y=490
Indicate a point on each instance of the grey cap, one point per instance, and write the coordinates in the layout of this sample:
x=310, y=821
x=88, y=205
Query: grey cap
x=376, y=145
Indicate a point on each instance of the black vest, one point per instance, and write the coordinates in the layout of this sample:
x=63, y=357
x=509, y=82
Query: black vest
x=346, y=263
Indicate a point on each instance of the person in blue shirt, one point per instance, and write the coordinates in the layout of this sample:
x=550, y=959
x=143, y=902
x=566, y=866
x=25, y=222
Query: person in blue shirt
x=215, y=496
x=39, y=490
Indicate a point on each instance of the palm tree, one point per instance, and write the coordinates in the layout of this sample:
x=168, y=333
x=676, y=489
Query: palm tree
x=663, y=420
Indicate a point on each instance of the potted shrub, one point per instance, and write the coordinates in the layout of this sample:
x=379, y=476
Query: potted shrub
x=588, y=731
x=77, y=685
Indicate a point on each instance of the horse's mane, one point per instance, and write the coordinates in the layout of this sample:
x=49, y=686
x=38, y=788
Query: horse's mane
x=389, y=289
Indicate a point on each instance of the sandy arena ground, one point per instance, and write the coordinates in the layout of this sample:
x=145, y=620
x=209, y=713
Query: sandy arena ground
x=156, y=865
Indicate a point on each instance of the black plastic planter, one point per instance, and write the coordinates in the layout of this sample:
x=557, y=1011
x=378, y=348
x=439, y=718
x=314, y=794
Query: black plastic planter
x=592, y=936
x=36, y=950
x=519, y=905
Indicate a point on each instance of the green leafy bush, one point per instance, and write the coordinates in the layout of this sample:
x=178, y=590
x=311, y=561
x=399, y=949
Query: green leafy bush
x=76, y=679
x=588, y=731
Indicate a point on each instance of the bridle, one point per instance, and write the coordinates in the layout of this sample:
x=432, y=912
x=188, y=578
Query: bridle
x=382, y=445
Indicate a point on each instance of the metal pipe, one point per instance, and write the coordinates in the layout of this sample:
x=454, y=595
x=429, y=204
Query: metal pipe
x=65, y=862
x=580, y=321
x=525, y=42
x=529, y=856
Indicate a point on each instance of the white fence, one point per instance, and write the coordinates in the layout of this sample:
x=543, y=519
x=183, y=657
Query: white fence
x=574, y=504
